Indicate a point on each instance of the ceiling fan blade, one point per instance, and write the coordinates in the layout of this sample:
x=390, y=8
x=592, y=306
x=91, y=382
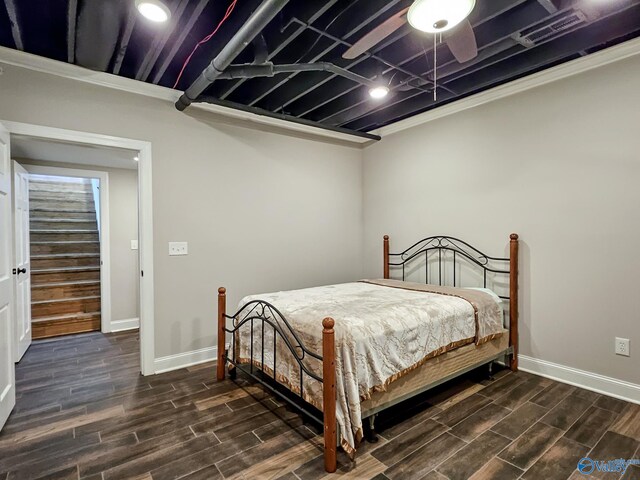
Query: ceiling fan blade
x=376, y=35
x=462, y=42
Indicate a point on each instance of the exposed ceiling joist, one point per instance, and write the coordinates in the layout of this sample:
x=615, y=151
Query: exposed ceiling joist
x=15, y=25
x=97, y=33
x=489, y=12
x=313, y=82
x=520, y=14
x=313, y=14
x=548, y=5
x=372, y=10
x=184, y=33
x=72, y=16
x=123, y=43
x=514, y=38
x=522, y=62
x=159, y=42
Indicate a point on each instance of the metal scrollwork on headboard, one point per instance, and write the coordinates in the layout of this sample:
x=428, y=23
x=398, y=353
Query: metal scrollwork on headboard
x=438, y=244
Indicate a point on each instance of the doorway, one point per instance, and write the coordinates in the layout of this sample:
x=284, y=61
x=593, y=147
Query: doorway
x=83, y=236
x=144, y=238
x=65, y=242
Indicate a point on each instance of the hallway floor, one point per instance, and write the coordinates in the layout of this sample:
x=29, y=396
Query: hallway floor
x=84, y=411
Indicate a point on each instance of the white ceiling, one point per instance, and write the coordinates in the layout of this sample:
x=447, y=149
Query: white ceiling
x=50, y=151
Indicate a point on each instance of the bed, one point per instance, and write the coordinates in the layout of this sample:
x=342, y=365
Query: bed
x=351, y=350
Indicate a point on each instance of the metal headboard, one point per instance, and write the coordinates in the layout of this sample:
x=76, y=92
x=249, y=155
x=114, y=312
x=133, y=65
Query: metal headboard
x=462, y=250
x=420, y=250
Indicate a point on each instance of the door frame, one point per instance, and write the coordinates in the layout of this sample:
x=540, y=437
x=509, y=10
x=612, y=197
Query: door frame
x=145, y=218
x=105, y=244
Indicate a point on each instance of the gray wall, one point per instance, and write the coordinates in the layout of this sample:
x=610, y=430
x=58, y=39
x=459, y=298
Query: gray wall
x=559, y=165
x=261, y=211
x=123, y=227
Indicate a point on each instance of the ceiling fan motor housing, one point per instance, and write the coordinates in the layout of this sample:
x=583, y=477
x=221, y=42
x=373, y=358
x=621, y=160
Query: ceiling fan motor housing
x=433, y=16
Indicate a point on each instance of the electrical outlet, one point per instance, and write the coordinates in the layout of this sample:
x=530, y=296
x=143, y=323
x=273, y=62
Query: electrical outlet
x=178, y=248
x=134, y=244
x=622, y=346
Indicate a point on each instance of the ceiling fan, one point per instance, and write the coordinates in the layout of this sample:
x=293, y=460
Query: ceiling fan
x=448, y=17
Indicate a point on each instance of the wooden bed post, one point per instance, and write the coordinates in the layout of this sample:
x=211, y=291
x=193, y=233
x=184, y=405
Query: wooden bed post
x=385, y=253
x=329, y=394
x=222, y=307
x=513, y=299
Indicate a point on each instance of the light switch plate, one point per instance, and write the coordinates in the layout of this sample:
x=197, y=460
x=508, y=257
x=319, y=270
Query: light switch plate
x=134, y=244
x=178, y=248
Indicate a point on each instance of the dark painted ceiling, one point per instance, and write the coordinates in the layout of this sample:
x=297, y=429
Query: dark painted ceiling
x=515, y=38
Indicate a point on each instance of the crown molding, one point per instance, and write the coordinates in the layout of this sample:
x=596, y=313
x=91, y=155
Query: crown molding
x=559, y=72
x=36, y=63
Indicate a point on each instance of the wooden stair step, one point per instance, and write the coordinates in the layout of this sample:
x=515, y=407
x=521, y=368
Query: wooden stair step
x=42, y=180
x=65, y=274
x=65, y=290
x=65, y=260
x=58, y=220
x=66, y=255
x=61, y=195
x=48, y=308
x=64, y=247
x=44, y=236
x=61, y=206
x=86, y=215
x=59, y=187
x=52, y=326
x=50, y=210
x=63, y=284
x=49, y=223
x=56, y=242
x=69, y=316
x=68, y=230
x=55, y=221
x=63, y=270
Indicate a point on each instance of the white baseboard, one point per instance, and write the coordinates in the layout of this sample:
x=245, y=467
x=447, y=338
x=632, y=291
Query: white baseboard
x=186, y=359
x=127, y=324
x=612, y=387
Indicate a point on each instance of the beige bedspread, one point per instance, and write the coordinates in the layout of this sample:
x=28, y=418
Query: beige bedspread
x=384, y=329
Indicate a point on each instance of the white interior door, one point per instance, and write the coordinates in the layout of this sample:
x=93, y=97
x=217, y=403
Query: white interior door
x=22, y=265
x=7, y=367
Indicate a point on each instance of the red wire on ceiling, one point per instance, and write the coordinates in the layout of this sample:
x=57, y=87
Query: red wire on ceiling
x=206, y=39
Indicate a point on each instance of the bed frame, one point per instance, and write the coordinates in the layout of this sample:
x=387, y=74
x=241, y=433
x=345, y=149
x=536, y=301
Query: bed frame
x=432, y=373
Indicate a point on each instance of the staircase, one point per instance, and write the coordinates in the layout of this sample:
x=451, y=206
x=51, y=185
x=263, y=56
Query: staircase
x=65, y=256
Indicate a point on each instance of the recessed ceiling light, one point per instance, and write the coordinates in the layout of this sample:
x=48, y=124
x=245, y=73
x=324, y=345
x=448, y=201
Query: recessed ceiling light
x=439, y=15
x=379, y=92
x=154, y=10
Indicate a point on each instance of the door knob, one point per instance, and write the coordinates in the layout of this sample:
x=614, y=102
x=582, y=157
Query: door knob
x=20, y=270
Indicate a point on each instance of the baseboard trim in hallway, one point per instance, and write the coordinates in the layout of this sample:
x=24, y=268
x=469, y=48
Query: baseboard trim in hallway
x=124, y=325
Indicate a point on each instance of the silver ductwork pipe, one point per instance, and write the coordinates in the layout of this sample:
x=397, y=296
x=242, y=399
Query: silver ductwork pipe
x=267, y=10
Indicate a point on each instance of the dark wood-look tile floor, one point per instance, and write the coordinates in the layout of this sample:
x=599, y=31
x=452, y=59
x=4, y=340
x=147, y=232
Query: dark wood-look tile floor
x=84, y=412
